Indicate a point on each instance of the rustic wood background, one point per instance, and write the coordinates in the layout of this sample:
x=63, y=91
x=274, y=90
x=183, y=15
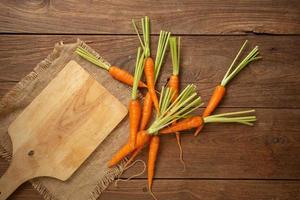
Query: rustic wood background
x=225, y=161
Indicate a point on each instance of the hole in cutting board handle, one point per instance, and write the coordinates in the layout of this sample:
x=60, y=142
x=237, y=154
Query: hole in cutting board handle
x=30, y=153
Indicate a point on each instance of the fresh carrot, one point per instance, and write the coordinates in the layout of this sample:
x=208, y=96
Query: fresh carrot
x=153, y=151
x=116, y=72
x=160, y=55
x=219, y=91
x=152, y=69
x=142, y=138
x=184, y=104
x=214, y=101
x=147, y=111
x=186, y=124
x=196, y=121
x=134, y=104
x=149, y=74
x=174, y=83
x=134, y=119
x=124, y=76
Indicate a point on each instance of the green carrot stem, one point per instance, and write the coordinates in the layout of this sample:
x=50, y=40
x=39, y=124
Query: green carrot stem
x=139, y=67
x=230, y=74
x=184, y=104
x=233, y=113
x=175, y=54
x=235, y=59
x=161, y=50
x=227, y=118
x=138, y=34
x=91, y=58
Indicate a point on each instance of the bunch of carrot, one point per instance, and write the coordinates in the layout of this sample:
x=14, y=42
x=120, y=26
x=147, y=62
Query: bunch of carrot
x=173, y=108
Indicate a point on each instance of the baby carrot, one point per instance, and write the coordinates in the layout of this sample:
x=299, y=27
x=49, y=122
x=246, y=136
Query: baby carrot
x=134, y=105
x=147, y=111
x=142, y=138
x=219, y=91
x=116, y=72
x=153, y=151
x=196, y=121
x=149, y=74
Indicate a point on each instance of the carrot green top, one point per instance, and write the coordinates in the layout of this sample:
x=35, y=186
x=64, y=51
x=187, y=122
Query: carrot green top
x=145, y=42
x=252, y=56
x=161, y=50
x=187, y=101
x=175, y=54
x=92, y=58
x=139, y=67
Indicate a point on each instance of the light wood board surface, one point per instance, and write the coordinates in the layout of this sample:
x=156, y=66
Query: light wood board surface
x=60, y=128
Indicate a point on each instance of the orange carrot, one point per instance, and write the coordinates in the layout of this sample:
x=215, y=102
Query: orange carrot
x=174, y=85
x=147, y=111
x=134, y=118
x=153, y=150
x=142, y=139
x=150, y=79
x=123, y=76
x=219, y=91
x=116, y=72
x=214, y=101
x=182, y=125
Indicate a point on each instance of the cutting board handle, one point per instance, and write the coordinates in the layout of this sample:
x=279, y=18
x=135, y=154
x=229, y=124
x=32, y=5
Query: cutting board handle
x=11, y=180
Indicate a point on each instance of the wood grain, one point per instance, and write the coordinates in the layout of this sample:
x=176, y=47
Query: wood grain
x=206, y=189
x=190, y=189
x=272, y=82
x=180, y=17
x=226, y=162
x=267, y=150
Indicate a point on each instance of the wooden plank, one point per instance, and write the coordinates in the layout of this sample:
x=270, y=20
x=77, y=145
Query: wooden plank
x=272, y=82
x=186, y=189
x=114, y=17
x=267, y=150
x=205, y=189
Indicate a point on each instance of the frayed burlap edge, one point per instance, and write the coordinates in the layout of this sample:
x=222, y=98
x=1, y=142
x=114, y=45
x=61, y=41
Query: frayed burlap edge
x=110, y=175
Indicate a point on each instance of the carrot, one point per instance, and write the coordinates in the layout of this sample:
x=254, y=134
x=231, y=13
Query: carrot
x=134, y=119
x=147, y=111
x=123, y=76
x=182, y=125
x=151, y=70
x=116, y=72
x=153, y=150
x=195, y=121
x=134, y=105
x=219, y=91
x=142, y=138
x=174, y=83
x=214, y=101
x=149, y=74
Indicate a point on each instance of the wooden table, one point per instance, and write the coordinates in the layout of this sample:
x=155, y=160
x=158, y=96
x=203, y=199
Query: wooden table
x=225, y=161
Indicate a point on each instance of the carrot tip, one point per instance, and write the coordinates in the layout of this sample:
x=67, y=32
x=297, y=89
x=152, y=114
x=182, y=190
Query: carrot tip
x=198, y=130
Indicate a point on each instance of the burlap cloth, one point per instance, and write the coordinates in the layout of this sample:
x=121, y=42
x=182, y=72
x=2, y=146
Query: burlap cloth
x=93, y=176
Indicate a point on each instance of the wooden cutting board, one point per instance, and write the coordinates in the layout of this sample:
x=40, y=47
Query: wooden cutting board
x=61, y=127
